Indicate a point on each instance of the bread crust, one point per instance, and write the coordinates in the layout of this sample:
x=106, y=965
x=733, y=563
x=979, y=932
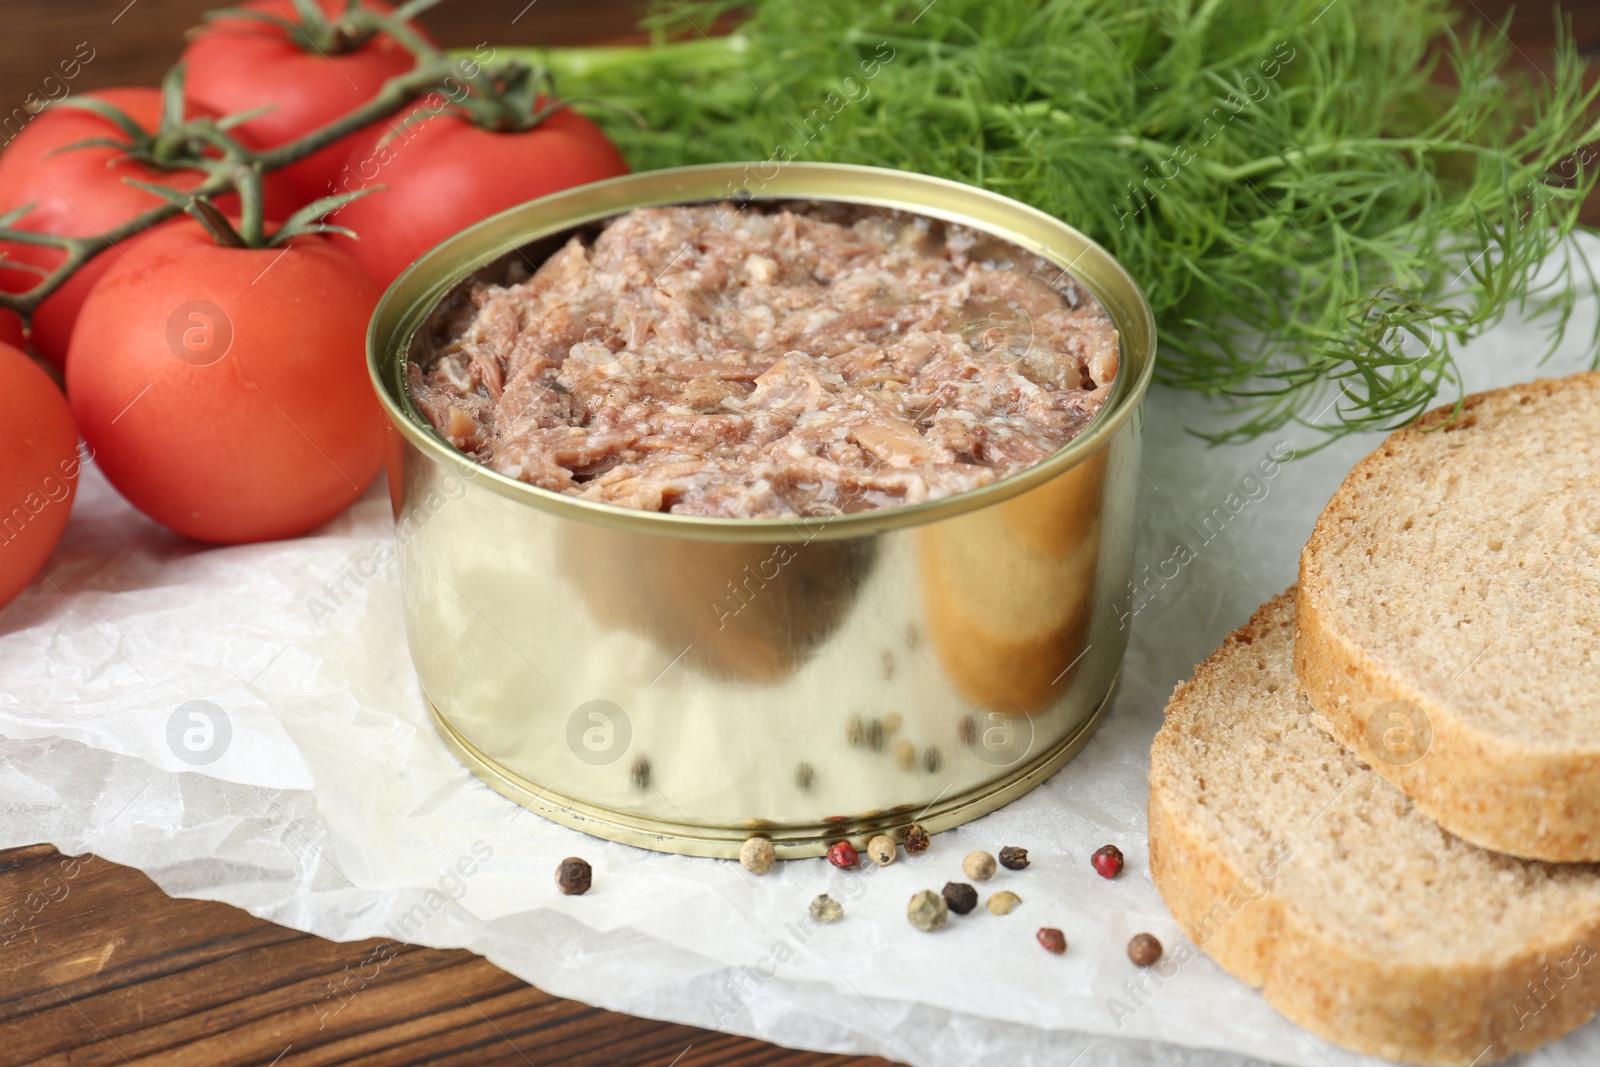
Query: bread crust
x=1491, y=791
x=1415, y=1011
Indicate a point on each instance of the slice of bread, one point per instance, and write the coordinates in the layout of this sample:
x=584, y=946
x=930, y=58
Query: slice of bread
x=1304, y=873
x=1452, y=588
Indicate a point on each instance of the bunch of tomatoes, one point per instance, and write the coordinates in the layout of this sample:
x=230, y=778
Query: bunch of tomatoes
x=223, y=389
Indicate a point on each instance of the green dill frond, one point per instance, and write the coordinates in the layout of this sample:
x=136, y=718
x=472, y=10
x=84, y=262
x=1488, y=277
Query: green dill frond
x=1318, y=216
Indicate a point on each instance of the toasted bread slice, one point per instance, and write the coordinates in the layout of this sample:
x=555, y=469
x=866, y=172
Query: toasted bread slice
x=1303, y=872
x=1449, y=619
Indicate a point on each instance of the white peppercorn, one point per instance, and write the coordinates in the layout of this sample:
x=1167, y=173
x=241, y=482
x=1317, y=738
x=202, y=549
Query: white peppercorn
x=979, y=866
x=756, y=855
x=881, y=850
x=1003, y=902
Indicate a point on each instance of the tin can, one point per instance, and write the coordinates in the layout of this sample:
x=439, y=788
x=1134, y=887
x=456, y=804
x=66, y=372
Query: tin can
x=681, y=683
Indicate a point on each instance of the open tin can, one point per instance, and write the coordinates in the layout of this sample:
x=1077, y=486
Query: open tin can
x=682, y=683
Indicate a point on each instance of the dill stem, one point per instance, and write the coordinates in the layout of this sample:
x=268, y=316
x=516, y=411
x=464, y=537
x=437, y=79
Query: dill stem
x=585, y=61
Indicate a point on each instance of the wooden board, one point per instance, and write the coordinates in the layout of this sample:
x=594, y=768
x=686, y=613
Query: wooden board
x=99, y=968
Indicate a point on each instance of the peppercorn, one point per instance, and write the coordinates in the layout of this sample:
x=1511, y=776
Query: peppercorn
x=916, y=839
x=967, y=730
x=1052, y=939
x=641, y=773
x=905, y=755
x=804, y=775
x=881, y=850
x=1144, y=949
x=891, y=722
x=855, y=731
x=927, y=911
x=756, y=855
x=960, y=897
x=932, y=760
x=875, y=735
x=842, y=854
x=979, y=866
x=574, y=876
x=1013, y=859
x=1003, y=902
x=825, y=909
x=1107, y=859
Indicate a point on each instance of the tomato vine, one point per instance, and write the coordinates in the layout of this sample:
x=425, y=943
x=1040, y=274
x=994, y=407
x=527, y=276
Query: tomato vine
x=205, y=144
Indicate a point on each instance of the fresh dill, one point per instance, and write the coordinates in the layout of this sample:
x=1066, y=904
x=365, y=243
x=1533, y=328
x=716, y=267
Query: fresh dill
x=1321, y=200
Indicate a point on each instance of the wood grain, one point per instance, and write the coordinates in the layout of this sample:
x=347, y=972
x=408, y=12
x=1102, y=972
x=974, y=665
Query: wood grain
x=134, y=43
x=98, y=968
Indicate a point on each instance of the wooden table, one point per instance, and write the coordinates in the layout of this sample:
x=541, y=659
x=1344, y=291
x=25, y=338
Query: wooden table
x=97, y=966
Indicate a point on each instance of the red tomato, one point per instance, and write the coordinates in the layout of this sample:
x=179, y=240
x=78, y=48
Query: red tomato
x=38, y=469
x=11, y=329
x=236, y=65
x=81, y=192
x=444, y=174
x=225, y=390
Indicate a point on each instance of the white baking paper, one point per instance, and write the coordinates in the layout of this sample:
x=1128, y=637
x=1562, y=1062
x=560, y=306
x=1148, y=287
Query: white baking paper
x=242, y=724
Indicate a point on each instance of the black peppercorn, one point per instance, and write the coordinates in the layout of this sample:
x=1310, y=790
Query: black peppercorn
x=1013, y=859
x=1144, y=949
x=932, y=760
x=960, y=897
x=916, y=838
x=804, y=775
x=574, y=876
x=641, y=773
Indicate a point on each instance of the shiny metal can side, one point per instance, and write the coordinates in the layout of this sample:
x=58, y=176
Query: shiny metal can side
x=681, y=683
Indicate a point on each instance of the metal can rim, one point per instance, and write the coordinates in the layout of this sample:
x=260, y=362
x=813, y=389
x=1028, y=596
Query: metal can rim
x=418, y=289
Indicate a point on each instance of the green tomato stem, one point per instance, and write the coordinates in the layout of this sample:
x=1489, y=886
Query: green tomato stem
x=252, y=223
x=237, y=168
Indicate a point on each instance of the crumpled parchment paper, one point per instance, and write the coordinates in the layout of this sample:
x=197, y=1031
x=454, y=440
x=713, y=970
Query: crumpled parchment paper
x=199, y=714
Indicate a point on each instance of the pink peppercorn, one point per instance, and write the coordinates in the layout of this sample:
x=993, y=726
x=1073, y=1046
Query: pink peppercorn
x=842, y=854
x=1107, y=861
